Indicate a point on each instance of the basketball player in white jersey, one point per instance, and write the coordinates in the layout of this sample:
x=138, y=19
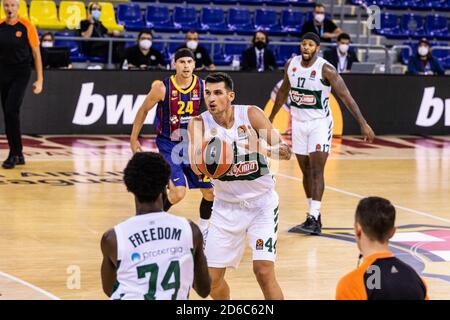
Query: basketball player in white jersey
x=309, y=79
x=245, y=201
x=153, y=255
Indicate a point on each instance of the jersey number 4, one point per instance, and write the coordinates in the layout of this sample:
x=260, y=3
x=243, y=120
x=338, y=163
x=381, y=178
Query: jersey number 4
x=183, y=108
x=153, y=269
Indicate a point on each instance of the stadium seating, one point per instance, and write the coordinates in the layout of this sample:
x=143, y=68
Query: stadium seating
x=437, y=27
x=286, y=52
x=23, y=10
x=213, y=20
x=129, y=15
x=266, y=20
x=75, y=53
x=291, y=21
x=43, y=14
x=240, y=21
x=159, y=19
x=413, y=25
x=390, y=27
x=71, y=13
x=173, y=46
x=185, y=18
x=108, y=17
x=232, y=49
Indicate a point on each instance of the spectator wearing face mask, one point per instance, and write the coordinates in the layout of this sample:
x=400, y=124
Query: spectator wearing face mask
x=92, y=27
x=142, y=55
x=202, y=58
x=341, y=58
x=423, y=63
x=51, y=58
x=259, y=57
x=325, y=28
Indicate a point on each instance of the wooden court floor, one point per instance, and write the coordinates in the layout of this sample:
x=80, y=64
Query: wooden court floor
x=54, y=210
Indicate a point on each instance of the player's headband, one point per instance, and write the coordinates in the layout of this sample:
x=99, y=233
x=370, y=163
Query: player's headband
x=312, y=36
x=183, y=53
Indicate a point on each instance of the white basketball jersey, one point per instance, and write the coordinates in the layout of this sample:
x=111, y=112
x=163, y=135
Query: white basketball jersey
x=154, y=258
x=309, y=93
x=250, y=175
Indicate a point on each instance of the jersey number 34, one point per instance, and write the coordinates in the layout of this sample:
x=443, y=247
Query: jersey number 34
x=153, y=269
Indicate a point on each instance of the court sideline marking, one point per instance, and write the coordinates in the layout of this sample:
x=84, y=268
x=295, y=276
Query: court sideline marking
x=29, y=285
x=359, y=196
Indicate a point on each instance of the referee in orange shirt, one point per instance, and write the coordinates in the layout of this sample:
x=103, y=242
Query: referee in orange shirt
x=381, y=276
x=19, y=45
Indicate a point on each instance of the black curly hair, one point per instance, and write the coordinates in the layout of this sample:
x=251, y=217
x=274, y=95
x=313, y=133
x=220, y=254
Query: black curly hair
x=146, y=176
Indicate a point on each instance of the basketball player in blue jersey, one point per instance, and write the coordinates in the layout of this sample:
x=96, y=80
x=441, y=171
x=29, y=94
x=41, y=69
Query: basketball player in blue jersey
x=178, y=99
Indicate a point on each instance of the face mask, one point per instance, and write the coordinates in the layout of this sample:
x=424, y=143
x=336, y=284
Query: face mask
x=47, y=44
x=96, y=14
x=343, y=48
x=423, y=51
x=260, y=45
x=319, y=17
x=145, y=44
x=192, y=44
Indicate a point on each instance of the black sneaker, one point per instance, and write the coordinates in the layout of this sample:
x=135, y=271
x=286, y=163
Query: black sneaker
x=311, y=226
x=12, y=161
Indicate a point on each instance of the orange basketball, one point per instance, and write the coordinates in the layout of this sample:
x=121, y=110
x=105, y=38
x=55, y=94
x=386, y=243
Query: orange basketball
x=214, y=158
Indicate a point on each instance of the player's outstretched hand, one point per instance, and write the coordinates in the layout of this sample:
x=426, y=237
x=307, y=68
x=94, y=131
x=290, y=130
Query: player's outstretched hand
x=135, y=146
x=367, y=132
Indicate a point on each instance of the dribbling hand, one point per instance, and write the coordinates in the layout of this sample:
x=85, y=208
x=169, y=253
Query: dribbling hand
x=135, y=146
x=367, y=133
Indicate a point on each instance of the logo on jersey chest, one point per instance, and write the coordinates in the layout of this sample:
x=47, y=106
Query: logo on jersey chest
x=312, y=76
x=305, y=99
x=195, y=95
x=244, y=168
x=174, y=119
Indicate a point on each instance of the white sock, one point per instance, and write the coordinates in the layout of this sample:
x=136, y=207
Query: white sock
x=309, y=203
x=315, y=208
x=203, y=224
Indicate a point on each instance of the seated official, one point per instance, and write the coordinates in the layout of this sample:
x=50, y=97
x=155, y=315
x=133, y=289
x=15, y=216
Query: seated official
x=341, y=57
x=54, y=57
x=259, y=57
x=142, y=55
x=203, y=60
x=423, y=62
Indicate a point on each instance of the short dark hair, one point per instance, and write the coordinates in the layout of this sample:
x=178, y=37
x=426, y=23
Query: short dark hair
x=145, y=31
x=318, y=5
x=376, y=216
x=95, y=3
x=45, y=34
x=219, y=77
x=146, y=176
x=344, y=36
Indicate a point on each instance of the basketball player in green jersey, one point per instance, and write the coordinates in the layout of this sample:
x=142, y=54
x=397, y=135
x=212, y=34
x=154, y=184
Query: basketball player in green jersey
x=309, y=80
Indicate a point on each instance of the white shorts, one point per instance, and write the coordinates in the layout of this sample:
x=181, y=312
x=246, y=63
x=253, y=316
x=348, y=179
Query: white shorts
x=311, y=136
x=232, y=222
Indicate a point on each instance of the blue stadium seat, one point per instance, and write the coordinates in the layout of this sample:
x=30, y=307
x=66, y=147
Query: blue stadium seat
x=267, y=20
x=74, y=46
x=240, y=21
x=200, y=1
x=159, y=19
x=292, y=21
x=443, y=55
x=303, y=3
x=231, y=49
x=277, y=2
x=185, y=18
x=437, y=27
x=173, y=46
x=285, y=52
x=216, y=54
x=129, y=15
x=225, y=2
x=413, y=25
x=390, y=27
x=250, y=2
x=160, y=45
x=132, y=41
x=213, y=20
